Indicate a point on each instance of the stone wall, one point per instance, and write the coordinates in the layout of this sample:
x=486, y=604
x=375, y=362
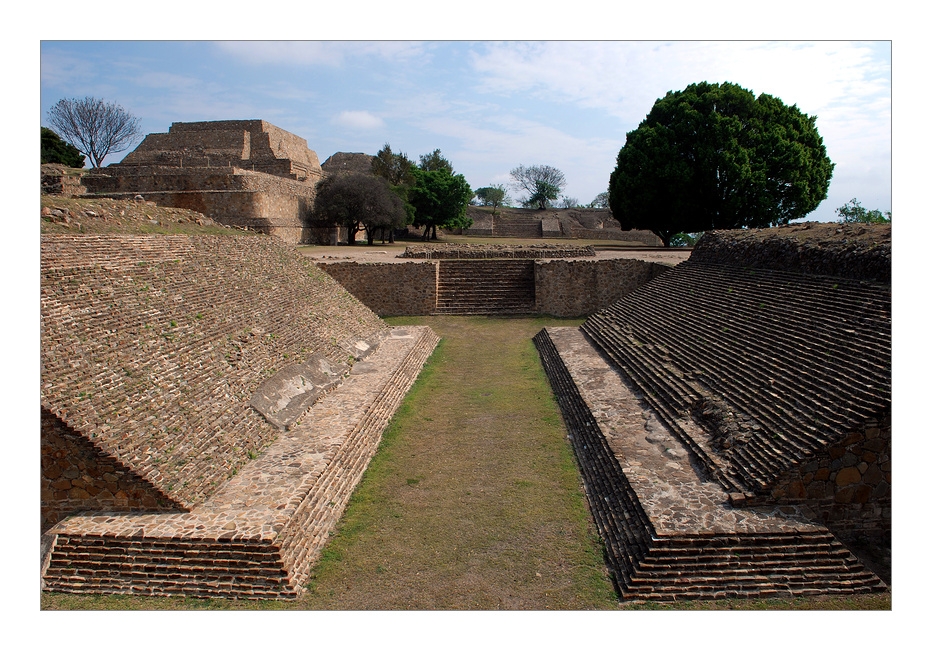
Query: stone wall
x=566, y=288
x=856, y=251
x=268, y=204
x=63, y=180
x=572, y=288
x=848, y=486
x=498, y=251
x=389, y=289
x=77, y=477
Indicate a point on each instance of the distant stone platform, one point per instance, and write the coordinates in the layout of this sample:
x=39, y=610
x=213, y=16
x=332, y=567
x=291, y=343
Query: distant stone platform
x=482, y=251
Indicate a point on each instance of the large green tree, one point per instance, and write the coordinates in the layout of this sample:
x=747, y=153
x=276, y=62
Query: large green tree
x=440, y=198
x=358, y=201
x=712, y=156
x=493, y=195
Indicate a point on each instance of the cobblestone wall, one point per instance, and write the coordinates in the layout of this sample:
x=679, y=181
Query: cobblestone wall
x=77, y=477
x=152, y=346
x=389, y=289
x=857, y=251
x=567, y=288
x=848, y=486
x=61, y=179
x=572, y=288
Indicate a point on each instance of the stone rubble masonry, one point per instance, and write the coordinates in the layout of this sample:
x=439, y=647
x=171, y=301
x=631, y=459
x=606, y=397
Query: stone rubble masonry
x=62, y=180
x=565, y=288
x=855, y=251
x=573, y=288
x=245, y=173
x=258, y=536
x=388, y=288
x=153, y=346
x=78, y=476
x=848, y=486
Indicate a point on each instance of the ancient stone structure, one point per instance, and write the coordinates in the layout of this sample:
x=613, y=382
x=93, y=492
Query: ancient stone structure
x=481, y=251
x=348, y=162
x=581, y=223
x=246, y=173
x=732, y=416
x=62, y=180
x=208, y=405
x=480, y=285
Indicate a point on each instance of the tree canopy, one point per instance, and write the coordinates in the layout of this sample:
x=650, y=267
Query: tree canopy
x=713, y=156
x=854, y=213
x=96, y=128
x=542, y=183
x=56, y=150
x=600, y=201
x=394, y=168
x=358, y=201
x=493, y=195
x=440, y=198
x=435, y=161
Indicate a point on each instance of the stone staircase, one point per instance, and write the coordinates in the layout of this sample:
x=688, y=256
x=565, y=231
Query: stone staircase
x=485, y=287
x=517, y=226
x=670, y=533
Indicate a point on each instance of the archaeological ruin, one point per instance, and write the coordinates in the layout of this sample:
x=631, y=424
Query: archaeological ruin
x=245, y=173
x=208, y=405
x=209, y=402
x=732, y=417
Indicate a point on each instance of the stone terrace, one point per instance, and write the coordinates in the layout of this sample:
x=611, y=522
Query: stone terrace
x=749, y=413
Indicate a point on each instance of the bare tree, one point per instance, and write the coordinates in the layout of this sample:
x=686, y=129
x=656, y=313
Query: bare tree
x=96, y=128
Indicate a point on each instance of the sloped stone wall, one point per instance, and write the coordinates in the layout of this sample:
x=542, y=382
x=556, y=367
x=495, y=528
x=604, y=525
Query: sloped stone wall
x=77, y=477
x=152, y=346
x=855, y=251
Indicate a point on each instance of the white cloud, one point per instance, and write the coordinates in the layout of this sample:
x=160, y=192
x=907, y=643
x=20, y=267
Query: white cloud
x=359, y=120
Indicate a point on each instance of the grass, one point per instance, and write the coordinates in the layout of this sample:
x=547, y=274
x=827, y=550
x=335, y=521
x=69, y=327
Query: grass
x=473, y=501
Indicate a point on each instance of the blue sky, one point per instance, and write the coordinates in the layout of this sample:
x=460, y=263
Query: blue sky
x=488, y=105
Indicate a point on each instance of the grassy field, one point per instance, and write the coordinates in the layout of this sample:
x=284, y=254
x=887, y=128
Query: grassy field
x=473, y=500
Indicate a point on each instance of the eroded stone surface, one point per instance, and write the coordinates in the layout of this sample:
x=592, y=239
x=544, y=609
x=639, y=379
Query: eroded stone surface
x=674, y=495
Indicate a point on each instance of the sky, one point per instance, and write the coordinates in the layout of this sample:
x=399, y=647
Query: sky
x=489, y=106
